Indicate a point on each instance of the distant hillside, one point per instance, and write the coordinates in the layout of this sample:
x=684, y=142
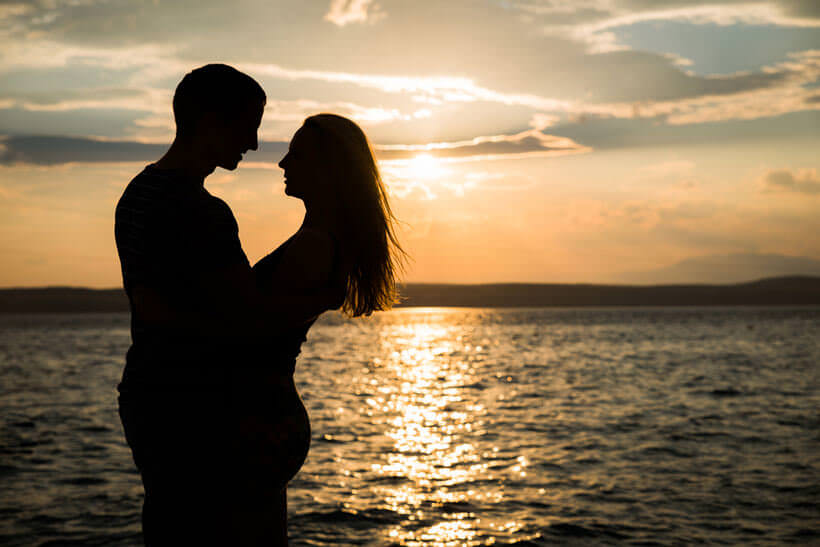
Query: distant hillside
x=780, y=291
x=797, y=290
x=724, y=269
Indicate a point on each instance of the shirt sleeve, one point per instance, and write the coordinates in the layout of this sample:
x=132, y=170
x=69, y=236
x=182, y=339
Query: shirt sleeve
x=214, y=238
x=169, y=243
x=138, y=230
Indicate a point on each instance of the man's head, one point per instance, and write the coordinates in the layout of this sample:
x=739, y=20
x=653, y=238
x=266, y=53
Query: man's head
x=220, y=109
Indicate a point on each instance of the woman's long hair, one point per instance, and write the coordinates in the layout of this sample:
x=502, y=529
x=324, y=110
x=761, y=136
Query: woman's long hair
x=366, y=224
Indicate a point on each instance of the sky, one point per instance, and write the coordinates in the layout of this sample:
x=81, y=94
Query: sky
x=595, y=141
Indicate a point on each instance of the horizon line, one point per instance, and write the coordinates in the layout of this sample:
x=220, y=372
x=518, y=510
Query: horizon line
x=489, y=283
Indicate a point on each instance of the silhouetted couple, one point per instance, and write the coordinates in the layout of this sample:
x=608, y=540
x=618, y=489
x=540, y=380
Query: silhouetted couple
x=207, y=398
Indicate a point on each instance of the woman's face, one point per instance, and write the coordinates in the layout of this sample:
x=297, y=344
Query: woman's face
x=301, y=165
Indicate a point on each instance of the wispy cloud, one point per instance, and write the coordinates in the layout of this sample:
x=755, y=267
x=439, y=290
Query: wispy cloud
x=422, y=88
x=801, y=181
x=146, y=99
x=43, y=150
x=294, y=112
x=344, y=12
x=591, y=21
x=552, y=81
x=527, y=143
x=773, y=91
x=51, y=150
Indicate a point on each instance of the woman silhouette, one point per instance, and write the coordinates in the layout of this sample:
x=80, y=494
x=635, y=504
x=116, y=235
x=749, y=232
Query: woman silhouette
x=347, y=240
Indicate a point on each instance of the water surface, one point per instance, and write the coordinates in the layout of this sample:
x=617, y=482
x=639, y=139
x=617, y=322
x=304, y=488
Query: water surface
x=464, y=427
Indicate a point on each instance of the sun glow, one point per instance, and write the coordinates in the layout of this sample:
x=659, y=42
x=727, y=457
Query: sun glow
x=420, y=173
x=425, y=167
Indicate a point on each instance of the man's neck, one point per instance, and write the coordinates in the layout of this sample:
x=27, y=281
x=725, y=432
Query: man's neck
x=184, y=156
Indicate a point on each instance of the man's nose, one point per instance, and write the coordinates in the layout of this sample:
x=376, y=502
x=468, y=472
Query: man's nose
x=254, y=143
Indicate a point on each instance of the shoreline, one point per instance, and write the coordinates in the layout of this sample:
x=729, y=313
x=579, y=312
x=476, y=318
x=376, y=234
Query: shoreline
x=778, y=291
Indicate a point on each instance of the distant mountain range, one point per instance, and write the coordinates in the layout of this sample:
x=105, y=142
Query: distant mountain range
x=731, y=268
x=779, y=291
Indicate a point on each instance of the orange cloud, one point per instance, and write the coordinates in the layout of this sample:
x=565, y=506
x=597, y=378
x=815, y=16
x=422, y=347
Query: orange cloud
x=802, y=181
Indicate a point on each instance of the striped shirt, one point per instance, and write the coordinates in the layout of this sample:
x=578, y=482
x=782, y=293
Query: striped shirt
x=169, y=232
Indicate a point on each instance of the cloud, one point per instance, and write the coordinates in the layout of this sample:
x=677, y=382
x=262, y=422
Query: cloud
x=282, y=118
x=677, y=98
x=527, y=143
x=513, y=63
x=601, y=132
x=789, y=94
x=61, y=150
x=579, y=136
x=773, y=91
x=53, y=150
x=61, y=100
x=343, y=12
x=592, y=20
x=89, y=58
x=803, y=181
x=430, y=89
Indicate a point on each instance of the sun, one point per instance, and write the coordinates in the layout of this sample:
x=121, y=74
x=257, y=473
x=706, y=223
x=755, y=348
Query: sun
x=423, y=173
x=425, y=167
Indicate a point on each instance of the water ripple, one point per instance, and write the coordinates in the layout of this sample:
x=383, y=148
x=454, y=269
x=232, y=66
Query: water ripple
x=464, y=427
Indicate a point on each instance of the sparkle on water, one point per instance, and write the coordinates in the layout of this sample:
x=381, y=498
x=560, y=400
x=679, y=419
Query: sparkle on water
x=413, y=393
x=449, y=427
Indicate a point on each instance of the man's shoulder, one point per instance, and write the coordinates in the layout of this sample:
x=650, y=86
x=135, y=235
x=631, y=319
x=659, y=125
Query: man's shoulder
x=148, y=202
x=148, y=178
x=216, y=209
x=143, y=187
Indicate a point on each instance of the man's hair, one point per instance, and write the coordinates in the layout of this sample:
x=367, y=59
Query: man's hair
x=214, y=88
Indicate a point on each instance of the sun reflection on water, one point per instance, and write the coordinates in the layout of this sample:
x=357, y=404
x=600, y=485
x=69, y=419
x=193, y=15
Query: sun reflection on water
x=430, y=425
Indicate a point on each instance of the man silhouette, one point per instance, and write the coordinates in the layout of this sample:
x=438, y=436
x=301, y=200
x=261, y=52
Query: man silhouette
x=194, y=305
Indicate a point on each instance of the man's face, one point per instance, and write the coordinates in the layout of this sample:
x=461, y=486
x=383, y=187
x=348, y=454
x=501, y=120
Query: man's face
x=234, y=137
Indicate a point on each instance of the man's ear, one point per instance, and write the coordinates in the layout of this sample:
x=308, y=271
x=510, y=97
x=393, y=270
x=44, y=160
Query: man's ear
x=210, y=121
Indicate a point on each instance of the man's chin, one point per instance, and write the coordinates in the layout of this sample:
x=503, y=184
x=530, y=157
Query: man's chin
x=228, y=165
x=290, y=193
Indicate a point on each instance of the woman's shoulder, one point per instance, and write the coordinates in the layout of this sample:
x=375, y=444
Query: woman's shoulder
x=314, y=236
x=315, y=243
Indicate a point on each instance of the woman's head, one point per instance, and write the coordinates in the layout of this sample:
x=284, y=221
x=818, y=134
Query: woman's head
x=330, y=162
x=305, y=172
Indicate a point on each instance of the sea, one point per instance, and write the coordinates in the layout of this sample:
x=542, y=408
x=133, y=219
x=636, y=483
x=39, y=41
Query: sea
x=454, y=426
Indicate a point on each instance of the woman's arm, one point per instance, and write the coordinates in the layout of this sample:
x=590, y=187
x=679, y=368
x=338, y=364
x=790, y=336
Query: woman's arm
x=306, y=264
x=240, y=309
x=303, y=274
